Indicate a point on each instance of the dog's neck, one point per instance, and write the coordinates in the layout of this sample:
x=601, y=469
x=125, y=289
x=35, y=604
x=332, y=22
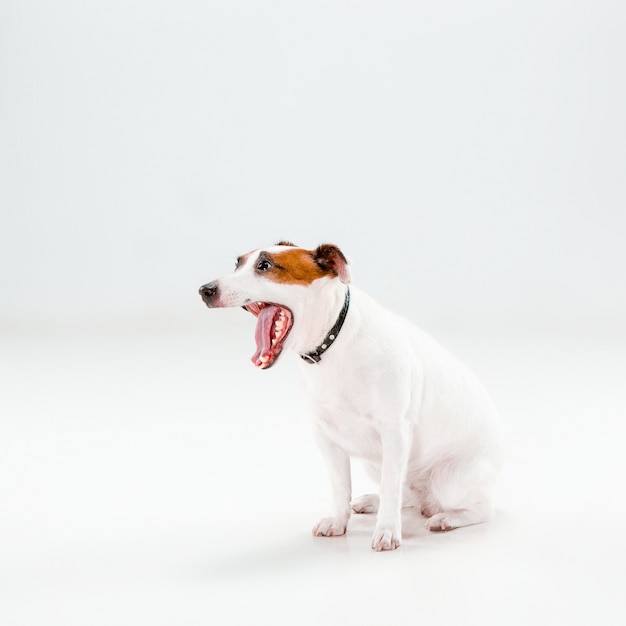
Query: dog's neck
x=316, y=315
x=315, y=355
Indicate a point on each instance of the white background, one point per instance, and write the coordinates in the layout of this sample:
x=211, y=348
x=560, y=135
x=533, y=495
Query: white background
x=470, y=160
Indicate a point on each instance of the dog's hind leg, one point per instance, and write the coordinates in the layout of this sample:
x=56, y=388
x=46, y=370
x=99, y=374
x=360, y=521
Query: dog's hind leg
x=460, y=494
x=417, y=494
x=368, y=503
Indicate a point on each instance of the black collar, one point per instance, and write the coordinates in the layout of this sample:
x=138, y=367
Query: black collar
x=315, y=356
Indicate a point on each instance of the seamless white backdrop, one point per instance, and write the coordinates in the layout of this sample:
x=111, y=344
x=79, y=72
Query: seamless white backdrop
x=467, y=152
x=468, y=157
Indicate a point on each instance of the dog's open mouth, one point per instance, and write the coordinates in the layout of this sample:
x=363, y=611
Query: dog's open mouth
x=272, y=327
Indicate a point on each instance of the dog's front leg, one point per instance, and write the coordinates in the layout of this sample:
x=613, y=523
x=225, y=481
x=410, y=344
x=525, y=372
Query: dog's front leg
x=338, y=464
x=395, y=449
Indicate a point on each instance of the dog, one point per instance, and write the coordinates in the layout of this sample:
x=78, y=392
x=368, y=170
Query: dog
x=381, y=390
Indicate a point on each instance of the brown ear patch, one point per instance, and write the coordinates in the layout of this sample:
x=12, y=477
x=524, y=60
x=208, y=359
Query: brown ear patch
x=331, y=259
x=328, y=257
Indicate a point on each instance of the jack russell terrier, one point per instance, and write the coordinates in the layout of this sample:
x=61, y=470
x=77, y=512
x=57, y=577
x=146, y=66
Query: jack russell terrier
x=381, y=390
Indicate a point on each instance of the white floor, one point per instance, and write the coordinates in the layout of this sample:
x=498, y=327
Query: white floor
x=149, y=475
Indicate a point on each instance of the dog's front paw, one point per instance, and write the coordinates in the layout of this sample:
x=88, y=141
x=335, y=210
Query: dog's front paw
x=386, y=538
x=330, y=527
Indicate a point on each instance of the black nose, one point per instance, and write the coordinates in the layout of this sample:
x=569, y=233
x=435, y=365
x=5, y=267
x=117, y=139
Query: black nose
x=208, y=291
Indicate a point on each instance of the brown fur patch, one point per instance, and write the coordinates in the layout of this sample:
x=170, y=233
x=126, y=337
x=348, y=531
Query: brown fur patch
x=330, y=257
x=297, y=266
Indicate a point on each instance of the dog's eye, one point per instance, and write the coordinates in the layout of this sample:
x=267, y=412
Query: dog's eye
x=263, y=266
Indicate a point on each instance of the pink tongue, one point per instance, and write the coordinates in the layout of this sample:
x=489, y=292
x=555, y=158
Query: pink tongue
x=263, y=334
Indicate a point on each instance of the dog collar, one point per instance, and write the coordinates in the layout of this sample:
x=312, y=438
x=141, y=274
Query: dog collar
x=315, y=356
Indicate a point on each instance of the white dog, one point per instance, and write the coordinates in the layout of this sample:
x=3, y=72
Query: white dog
x=381, y=389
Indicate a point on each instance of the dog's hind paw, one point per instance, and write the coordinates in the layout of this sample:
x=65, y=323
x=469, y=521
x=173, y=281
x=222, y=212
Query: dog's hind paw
x=330, y=527
x=365, y=504
x=385, y=539
x=441, y=522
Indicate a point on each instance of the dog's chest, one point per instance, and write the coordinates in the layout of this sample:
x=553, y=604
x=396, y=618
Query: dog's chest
x=356, y=396
x=349, y=419
x=356, y=433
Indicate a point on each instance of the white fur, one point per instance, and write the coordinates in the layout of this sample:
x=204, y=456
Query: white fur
x=385, y=392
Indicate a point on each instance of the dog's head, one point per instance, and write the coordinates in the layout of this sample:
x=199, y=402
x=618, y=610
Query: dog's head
x=290, y=290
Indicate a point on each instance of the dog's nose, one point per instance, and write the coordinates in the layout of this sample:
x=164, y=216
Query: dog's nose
x=208, y=291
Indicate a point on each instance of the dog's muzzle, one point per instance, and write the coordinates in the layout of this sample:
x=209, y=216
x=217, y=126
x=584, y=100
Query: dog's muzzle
x=208, y=293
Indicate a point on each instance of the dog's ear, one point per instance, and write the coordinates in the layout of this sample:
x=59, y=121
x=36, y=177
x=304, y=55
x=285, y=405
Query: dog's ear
x=286, y=243
x=331, y=259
